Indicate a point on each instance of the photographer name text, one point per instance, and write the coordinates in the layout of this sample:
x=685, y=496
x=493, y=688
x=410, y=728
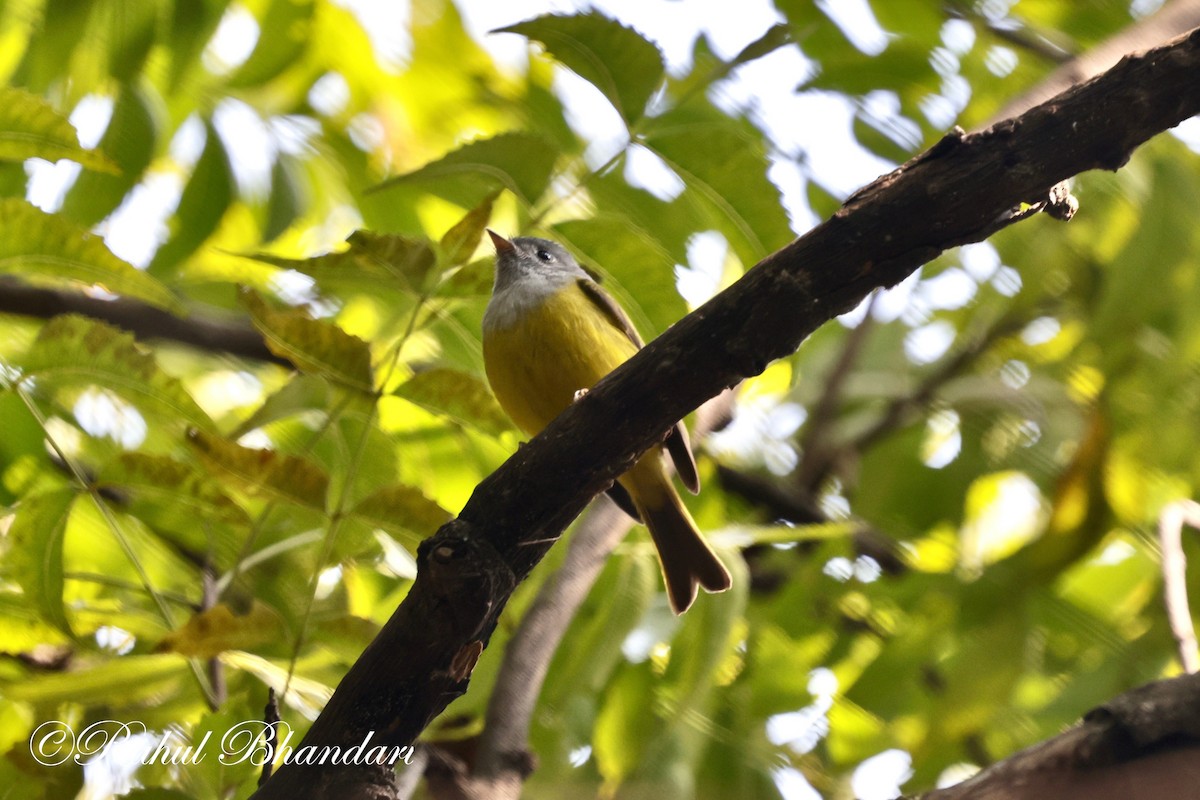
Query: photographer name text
x=249, y=742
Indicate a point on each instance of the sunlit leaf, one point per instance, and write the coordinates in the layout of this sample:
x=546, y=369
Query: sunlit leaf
x=49, y=248
x=35, y=558
x=615, y=59
x=207, y=196
x=264, y=472
x=118, y=681
x=369, y=258
x=289, y=23
x=723, y=163
x=22, y=628
x=79, y=352
x=460, y=242
x=312, y=345
x=519, y=162
x=220, y=628
x=401, y=509
x=287, y=198
x=302, y=393
x=130, y=141
x=459, y=395
x=180, y=504
x=31, y=128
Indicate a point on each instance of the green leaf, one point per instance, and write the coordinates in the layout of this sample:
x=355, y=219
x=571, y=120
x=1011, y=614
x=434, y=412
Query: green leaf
x=265, y=472
x=35, y=555
x=614, y=609
x=115, y=682
x=723, y=162
x=128, y=35
x=287, y=197
x=130, y=141
x=63, y=27
x=217, y=629
x=49, y=248
x=626, y=723
x=302, y=393
x=470, y=280
x=519, y=162
x=708, y=68
x=31, y=128
x=460, y=242
x=312, y=345
x=369, y=259
x=76, y=351
x=456, y=394
x=615, y=59
x=289, y=23
x=22, y=628
x=208, y=194
x=403, y=510
x=189, y=29
x=705, y=643
x=180, y=504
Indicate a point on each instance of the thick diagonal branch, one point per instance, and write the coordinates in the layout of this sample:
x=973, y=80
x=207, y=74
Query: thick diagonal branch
x=958, y=192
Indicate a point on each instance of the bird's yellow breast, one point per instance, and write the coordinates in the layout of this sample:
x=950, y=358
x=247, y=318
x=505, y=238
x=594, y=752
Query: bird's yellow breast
x=546, y=354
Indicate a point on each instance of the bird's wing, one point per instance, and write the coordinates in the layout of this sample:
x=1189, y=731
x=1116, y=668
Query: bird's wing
x=616, y=315
x=677, y=440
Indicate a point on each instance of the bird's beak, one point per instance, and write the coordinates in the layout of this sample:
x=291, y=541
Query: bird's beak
x=502, y=245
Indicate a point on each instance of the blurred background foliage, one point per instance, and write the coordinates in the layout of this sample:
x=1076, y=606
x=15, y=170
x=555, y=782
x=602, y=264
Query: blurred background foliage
x=979, y=455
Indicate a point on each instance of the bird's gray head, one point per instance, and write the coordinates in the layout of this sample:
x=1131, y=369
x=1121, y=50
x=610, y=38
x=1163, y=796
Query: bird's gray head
x=540, y=261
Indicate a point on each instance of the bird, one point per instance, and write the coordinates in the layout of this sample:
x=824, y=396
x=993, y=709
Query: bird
x=549, y=334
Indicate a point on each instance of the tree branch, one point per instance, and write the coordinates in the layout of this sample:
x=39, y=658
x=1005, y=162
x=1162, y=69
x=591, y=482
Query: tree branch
x=1143, y=743
x=966, y=187
x=501, y=760
x=1174, y=18
x=142, y=320
x=815, y=449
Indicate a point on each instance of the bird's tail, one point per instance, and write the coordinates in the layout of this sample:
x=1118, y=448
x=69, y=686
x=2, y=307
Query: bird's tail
x=687, y=560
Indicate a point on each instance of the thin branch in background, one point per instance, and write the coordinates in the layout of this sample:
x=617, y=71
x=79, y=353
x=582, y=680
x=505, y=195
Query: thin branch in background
x=1031, y=41
x=815, y=451
x=1173, y=19
x=787, y=504
x=1174, y=568
x=271, y=718
x=899, y=411
x=208, y=599
x=409, y=778
x=237, y=338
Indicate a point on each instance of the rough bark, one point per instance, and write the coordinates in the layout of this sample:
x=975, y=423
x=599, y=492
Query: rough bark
x=1141, y=745
x=960, y=191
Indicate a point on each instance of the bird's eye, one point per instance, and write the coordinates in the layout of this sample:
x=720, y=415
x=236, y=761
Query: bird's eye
x=544, y=255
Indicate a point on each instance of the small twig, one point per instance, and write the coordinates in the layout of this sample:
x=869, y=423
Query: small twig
x=216, y=670
x=271, y=717
x=1173, y=19
x=788, y=504
x=409, y=778
x=899, y=409
x=1031, y=41
x=1174, y=568
x=814, y=449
